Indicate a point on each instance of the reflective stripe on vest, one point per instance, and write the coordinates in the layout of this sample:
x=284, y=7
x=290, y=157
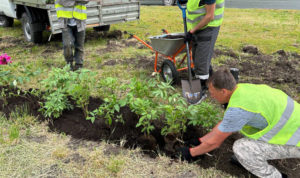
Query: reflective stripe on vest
x=283, y=119
x=295, y=139
x=78, y=12
x=280, y=111
x=217, y=17
x=195, y=14
x=203, y=10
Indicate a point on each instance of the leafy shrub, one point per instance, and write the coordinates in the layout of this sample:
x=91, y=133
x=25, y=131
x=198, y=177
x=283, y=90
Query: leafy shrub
x=58, y=78
x=80, y=89
x=148, y=113
x=62, y=83
x=152, y=100
x=56, y=102
x=204, y=114
x=140, y=98
x=56, y=86
x=110, y=89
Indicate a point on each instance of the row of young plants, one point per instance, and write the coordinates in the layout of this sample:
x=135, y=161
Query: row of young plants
x=152, y=100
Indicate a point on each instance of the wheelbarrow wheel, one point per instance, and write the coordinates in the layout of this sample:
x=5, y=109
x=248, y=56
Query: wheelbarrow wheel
x=169, y=72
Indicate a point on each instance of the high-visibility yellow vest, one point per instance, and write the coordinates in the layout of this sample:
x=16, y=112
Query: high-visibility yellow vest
x=281, y=112
x=77, y=12
x=195, y=14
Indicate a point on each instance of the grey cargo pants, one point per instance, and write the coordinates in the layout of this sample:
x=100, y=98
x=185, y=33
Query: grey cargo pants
x=253, y=155
x=73, y=39
x=203, y=44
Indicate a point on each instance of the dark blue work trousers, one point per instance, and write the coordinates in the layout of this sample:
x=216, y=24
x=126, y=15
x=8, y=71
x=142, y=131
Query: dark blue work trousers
x=203, y=44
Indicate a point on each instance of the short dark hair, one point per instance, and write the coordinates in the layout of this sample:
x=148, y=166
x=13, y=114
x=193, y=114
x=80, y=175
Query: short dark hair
x=222, y=79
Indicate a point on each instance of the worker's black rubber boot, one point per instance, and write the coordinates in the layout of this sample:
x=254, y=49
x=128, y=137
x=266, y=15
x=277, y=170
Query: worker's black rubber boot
x=203, y=85
x=235, y=73
x=77, y=67
x=204, y=88
x=210, y=71
x=71, y=65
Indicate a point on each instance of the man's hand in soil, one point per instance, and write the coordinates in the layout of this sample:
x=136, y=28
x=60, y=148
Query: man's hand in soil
x=192, y=142
x=185, y=154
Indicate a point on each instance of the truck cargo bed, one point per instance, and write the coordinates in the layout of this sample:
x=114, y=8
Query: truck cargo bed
x=103, y=12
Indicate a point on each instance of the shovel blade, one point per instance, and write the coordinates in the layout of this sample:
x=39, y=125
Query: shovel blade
x=191, y=90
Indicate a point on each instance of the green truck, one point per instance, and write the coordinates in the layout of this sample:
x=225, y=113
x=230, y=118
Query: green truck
x=38, y=16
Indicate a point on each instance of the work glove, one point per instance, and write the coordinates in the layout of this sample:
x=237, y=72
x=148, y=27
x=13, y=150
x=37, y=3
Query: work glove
x=188, y=37
x=182, y=1
x=192, y=142
x=184, y=154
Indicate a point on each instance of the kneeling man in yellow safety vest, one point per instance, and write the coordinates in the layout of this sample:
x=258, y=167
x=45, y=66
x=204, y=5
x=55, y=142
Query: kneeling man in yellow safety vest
x=268, y=117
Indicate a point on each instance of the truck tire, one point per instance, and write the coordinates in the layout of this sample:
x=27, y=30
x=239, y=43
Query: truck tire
x=104, y=28
x=6, y=21
x=31, y=34
x=169, y=2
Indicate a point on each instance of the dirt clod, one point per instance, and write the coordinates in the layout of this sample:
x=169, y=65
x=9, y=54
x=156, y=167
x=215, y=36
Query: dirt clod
x=281, y=52
x=250, y=49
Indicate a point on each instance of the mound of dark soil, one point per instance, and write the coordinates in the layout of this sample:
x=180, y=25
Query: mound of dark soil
x=74, y=123
x=280, y=68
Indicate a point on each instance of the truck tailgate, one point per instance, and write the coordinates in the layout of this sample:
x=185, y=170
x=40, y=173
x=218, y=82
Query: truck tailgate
x=103, y=13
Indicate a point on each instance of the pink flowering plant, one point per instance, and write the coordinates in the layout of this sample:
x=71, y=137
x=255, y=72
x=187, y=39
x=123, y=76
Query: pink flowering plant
x=5, y=59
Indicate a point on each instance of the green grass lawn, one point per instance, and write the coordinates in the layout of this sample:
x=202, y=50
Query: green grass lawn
x=269, y=30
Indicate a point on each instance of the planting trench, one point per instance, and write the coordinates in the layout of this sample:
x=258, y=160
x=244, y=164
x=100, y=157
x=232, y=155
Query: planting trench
x=73, y=123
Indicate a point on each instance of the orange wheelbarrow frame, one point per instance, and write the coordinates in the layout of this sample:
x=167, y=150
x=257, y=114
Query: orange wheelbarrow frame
x=172, y=58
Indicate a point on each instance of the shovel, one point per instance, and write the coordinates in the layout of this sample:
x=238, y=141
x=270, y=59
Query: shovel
x=191, y=89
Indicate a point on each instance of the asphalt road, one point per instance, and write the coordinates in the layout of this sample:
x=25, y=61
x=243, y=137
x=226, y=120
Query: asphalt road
x=265, y=4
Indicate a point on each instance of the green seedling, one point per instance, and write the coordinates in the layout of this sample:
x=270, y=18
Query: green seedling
x=81, y=89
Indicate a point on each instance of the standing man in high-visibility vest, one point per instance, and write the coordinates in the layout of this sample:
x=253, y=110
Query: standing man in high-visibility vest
x=268, y=117
x=204, y=18
x=72, y=18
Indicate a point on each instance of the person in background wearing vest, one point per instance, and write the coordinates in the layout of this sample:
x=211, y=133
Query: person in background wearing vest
x=268, y=117
x=204, y=18
x=72, y=18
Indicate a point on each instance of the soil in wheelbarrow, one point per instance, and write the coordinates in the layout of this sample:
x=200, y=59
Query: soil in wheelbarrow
x=173, y=36
x=74, y=123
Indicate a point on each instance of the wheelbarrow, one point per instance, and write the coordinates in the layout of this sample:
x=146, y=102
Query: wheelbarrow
x=169, y=46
